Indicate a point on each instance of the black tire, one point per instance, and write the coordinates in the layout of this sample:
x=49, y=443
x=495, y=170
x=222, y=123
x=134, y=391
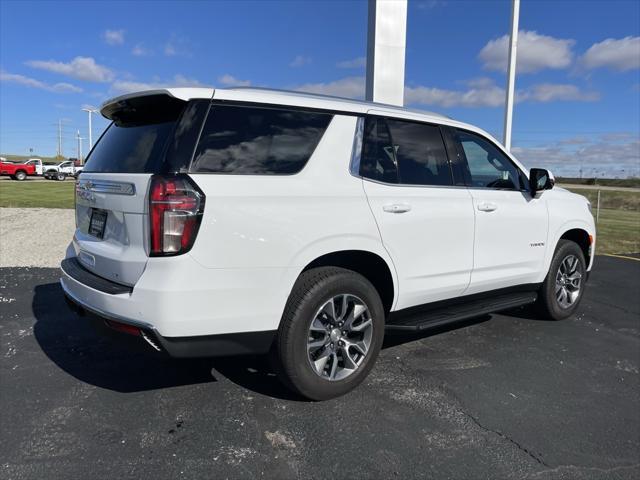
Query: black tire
x=548, y=304
x=61, y=176
x=20, y=175
x=311, y=291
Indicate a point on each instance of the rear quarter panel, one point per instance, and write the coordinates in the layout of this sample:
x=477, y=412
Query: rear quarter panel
x=285, y=222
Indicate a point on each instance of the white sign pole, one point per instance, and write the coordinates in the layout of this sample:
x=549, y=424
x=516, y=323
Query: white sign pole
x=386, y=41
x=511, y=75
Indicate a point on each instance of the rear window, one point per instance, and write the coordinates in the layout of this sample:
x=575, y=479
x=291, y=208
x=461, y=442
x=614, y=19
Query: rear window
x=136, y=140
x=257, y=141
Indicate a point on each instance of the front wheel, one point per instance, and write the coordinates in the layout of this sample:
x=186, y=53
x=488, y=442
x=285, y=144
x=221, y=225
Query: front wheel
x=330, y=334
x=563, y=287
x=61, y=176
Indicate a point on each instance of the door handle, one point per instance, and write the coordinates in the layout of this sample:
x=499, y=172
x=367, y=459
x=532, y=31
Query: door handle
x=487, y=206
x=396, y=208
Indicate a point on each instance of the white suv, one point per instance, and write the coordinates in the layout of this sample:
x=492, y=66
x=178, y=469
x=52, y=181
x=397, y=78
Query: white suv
x=244, y=221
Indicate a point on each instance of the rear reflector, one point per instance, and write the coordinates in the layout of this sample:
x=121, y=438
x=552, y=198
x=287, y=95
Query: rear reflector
x=123, y=327
x=175, y=210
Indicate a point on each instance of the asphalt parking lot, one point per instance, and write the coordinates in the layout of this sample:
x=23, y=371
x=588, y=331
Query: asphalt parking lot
x=503, y=396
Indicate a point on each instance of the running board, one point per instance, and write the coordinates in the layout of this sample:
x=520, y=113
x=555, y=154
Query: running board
x=417, y=319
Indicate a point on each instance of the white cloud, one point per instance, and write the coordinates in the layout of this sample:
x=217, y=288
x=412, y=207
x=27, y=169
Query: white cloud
x=33, y=83
x=349, y=87
x=596, y=156
x=621, y=54
x=127, y=86
x=479, y=92
x=300, y=61
x=535, y=52
x=177, y=46
x=113, y=37
x=550, y=92
x=482, y=92
x=359, y=62
x=82, y=68
x=140, y=50
x=231, y=81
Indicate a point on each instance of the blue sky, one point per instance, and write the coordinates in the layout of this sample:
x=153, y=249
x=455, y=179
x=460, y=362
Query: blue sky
x=578, y=76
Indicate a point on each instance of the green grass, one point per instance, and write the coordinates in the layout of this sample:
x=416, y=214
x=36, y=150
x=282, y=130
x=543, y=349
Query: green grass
x=618, y=228
x=618, y=231
x=34, y=193
x=608, y=182
x=611, y=199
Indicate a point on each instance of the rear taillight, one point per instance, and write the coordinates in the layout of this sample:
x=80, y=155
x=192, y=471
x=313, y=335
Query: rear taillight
x=175, y=210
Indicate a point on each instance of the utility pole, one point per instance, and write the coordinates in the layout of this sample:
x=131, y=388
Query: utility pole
x=511, y=73
x=59, y=138
x=90, y=111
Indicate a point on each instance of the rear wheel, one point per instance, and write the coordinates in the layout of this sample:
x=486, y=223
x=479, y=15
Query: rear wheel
x=61, y=176
x=563, y=287
x=20, y=175
x=330, y=334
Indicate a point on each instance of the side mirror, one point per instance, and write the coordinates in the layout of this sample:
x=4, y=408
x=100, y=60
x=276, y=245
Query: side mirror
x=540, y=179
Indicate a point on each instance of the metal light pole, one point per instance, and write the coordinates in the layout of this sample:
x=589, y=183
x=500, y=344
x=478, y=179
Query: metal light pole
x=511, y=75
x=79, y=146
x=90, y=111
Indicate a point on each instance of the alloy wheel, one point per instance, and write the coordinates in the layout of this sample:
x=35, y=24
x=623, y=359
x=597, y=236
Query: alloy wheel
x=568, y=281
x=339, y=337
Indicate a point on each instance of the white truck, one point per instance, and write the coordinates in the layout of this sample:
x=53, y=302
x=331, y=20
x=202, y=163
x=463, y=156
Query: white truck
x=61, y=170
x=243, y=221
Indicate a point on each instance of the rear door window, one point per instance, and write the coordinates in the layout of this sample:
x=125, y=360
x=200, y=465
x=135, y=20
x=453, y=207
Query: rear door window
x=404, y=152
x=421, y=156
x=246, y=140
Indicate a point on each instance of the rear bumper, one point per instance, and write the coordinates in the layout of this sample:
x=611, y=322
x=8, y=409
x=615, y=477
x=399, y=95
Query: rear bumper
x=107, y=304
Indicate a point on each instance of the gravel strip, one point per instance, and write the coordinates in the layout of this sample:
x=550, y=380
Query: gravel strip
x=34, y=237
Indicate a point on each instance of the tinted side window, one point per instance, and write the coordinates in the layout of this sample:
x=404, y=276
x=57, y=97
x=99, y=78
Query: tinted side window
x=130, y=148
x=257, y=141
x=420, y=153
x=488, y=166
x=377, y=160
x=135, y=141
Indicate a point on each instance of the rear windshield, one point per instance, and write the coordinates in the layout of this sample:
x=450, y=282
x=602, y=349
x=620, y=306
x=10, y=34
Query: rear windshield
x=136, y=140
x=246, y=140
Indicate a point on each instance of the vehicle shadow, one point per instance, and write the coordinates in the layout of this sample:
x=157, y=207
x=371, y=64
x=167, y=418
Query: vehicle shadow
x=126, y=363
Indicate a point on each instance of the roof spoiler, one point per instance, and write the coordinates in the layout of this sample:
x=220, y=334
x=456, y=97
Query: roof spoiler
x=111, y=107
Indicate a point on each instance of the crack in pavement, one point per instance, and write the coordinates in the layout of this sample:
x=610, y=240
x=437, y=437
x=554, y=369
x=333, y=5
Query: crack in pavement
x=509, y=439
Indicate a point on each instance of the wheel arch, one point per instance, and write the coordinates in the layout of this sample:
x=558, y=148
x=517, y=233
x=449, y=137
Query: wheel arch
x=368, y=264
x=582, y=238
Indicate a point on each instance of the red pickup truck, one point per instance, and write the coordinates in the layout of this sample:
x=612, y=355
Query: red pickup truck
x=17, y=171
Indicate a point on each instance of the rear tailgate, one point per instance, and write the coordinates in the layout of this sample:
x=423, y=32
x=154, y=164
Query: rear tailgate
x=112, y=220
